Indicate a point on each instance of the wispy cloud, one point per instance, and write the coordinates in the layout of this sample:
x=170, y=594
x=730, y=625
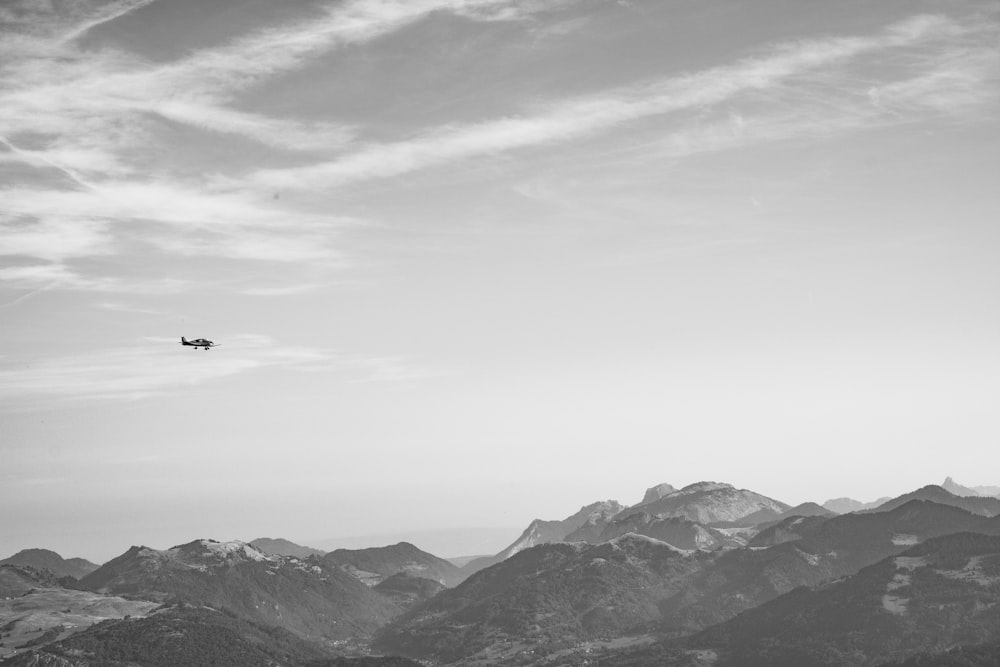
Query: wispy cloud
x=117, y=307
x=789, y=67
x=282, y=291
x=109, y=12
x=962, y=85
x=156, y=366
x=59, y=275
x=53, y=87
x=84, y=125
x=24, y=297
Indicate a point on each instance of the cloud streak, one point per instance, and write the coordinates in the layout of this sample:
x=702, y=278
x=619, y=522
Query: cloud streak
x=786, y=67
x=83, y=128
x=962, y=85
x=106, y=14
x=158, y=366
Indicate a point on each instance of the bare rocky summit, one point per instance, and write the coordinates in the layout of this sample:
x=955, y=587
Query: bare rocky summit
x=711, y=502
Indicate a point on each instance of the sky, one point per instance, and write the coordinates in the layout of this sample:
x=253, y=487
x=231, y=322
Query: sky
x=475, y=262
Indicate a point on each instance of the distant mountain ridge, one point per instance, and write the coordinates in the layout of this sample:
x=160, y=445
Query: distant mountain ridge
x=711, y=502
x=701, y=503
x=283, y=547
x=304, y=596
x=595, y=516
x=50, y=560
x=808, y=509
x=952, y=486
x=848, y=505
x=374, y=565
x=981, y=505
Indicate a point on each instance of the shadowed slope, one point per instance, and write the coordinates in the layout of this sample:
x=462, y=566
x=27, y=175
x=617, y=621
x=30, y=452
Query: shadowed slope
x=547, y=597
x=50, y=560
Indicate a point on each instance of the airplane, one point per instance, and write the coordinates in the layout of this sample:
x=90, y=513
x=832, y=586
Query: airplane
x=199, y=342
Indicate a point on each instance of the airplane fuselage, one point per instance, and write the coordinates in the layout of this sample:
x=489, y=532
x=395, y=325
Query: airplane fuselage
x=197, y=342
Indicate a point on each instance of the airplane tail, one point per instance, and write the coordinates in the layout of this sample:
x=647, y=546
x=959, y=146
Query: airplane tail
x=183, y=339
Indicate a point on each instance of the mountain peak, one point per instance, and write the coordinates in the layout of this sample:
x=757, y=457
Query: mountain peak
x=701, y=487
x=952, y=486
x=654, y=493
x=234, y=549
x=374, y=565
x=982, y=505
x=708, y=502
x=282, y=547
x=203, y=552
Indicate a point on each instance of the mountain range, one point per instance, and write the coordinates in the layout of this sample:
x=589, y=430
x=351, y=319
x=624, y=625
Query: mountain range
x=307, y=597
x=700, y=504
x=591, y=518
x=551, y=596
x=848, y=505
x=984, y=506
x=707, y=572
x=938, y=594
x=954, y=487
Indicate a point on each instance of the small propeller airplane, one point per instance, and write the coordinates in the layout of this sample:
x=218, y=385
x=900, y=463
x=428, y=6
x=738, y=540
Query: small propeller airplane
x=199, y=342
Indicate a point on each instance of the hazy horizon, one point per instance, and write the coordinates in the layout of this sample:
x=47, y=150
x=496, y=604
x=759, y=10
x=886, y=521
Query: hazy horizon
x=445, y=542
x=475, y=262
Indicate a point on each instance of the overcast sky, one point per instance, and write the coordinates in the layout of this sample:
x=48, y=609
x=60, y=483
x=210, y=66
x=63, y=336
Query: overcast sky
x=473, y=262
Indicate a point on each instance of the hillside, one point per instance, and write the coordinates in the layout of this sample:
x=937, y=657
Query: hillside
x=788, y=530
x=47, y=612
x=591, y=518
x=50, y=560
x=16, y=580
x=545, y=598
x=679, y=532
x=408, y=590
x=180, y=635
x=812, y=550
x=373, y=565
x=977, y=655
x=936, y=595
x=307, y=597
